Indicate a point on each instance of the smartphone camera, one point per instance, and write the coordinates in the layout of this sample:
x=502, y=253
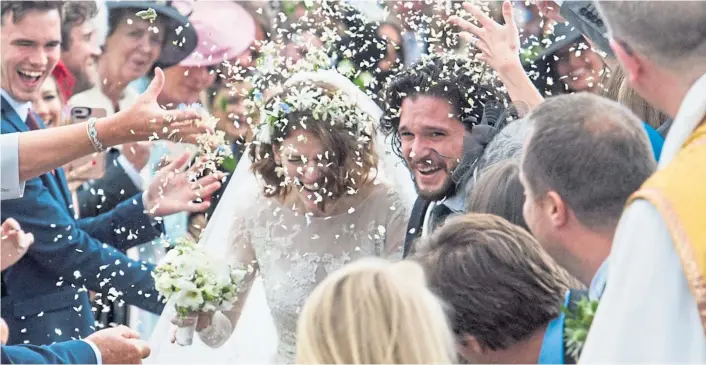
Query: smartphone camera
x=80, y=112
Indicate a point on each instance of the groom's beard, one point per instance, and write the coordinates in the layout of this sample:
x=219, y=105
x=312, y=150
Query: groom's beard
x=447, y=190
x=446, y=167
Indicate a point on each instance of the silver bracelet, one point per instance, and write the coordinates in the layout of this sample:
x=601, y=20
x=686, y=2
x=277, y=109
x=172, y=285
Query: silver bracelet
x=93, y=135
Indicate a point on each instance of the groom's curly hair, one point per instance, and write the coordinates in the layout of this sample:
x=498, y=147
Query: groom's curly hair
x=466, y=83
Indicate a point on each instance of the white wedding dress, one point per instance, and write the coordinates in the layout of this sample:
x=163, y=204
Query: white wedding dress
x=294, y=253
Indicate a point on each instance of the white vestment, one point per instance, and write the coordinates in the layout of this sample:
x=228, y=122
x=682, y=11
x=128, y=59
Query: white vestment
x=647, y=312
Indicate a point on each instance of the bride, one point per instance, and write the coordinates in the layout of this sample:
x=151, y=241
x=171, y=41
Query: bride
x=315, y=194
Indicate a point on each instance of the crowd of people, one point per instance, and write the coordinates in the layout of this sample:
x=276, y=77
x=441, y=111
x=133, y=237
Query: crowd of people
x=405, y=181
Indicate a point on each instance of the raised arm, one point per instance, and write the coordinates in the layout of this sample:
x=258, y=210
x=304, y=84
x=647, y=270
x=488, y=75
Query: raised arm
x=500, y=48
x=143, y=120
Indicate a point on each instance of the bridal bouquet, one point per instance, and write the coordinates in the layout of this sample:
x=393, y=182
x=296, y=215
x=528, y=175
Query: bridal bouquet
x=196, y=281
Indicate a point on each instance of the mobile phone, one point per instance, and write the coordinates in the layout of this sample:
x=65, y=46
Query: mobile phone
x=83, y=113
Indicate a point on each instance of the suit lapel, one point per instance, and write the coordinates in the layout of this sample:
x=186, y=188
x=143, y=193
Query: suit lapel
x=9, y=114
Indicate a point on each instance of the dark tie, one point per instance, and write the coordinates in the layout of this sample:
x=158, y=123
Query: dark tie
x=32, y=122
x=439, y=215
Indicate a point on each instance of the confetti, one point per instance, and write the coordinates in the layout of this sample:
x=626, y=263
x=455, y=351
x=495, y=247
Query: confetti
x=149, y=14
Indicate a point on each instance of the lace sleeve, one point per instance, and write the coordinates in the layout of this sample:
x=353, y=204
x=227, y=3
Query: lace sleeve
x=396, y=226
x=240, y=254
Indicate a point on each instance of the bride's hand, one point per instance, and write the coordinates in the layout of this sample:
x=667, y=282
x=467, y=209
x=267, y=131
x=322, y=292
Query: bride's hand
x=202, y=319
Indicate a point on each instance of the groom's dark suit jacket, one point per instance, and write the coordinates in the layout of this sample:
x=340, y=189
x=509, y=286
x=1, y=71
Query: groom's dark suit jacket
x=44, y=295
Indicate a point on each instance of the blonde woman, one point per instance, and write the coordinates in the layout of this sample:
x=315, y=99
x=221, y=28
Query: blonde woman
x=374, y=312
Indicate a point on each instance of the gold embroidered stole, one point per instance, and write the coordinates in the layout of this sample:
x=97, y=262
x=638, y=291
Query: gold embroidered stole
x=679, y=193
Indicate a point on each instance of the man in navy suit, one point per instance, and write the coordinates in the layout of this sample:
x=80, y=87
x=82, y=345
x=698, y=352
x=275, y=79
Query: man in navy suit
x=44, y=295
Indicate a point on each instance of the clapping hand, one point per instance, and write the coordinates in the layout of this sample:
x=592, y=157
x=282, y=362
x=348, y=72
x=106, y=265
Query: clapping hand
x=175, y=190
x=146, y=119
x=499, y=44
x=15, y=243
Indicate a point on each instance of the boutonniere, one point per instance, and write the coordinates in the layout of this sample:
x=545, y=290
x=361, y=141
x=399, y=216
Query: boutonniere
x=577, y=324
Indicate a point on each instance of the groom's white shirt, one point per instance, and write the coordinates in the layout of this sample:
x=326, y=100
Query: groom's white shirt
x=647, y=312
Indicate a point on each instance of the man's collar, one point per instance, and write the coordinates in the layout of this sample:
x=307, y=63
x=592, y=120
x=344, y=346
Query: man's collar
x=595, y=291
x=22, y=109
x=457, y=202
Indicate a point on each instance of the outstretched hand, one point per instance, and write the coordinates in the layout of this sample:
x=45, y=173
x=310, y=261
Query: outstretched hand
x=175, y=190
x=146, y=119
x=499, y=44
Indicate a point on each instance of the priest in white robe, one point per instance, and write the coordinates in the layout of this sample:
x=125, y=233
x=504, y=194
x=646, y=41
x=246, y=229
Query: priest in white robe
x=649, y=312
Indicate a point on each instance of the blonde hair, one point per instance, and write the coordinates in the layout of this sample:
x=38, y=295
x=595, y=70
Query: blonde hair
x=374, y=312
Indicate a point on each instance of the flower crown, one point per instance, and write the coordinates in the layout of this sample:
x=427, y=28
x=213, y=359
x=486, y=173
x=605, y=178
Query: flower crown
x=337, y=107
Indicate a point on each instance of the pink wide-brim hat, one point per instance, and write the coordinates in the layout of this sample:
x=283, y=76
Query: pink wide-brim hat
x=224, y=28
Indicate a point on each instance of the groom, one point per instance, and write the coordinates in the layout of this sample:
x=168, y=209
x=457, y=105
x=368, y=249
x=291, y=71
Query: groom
x=432, y=111
x=44, y=295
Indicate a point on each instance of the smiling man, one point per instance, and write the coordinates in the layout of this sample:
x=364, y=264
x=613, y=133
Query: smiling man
x=432, y=113
x=30, y=52
x=82, y=35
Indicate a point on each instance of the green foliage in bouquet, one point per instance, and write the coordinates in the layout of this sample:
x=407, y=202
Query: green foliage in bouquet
x=577, y=324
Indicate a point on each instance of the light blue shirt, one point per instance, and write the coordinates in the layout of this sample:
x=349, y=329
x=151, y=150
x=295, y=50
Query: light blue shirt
x=595, y=291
